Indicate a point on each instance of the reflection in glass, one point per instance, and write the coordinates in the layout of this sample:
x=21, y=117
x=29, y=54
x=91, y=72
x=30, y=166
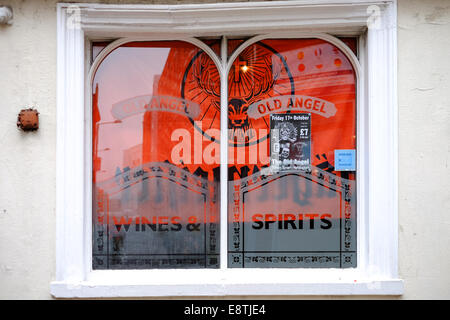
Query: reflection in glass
x=156, y=131
x=291, y=106
x=155, y=195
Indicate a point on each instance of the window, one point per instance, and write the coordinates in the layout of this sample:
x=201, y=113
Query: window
x=156, y=200
x=287, y=201
x=222, y=148
x=156, y=191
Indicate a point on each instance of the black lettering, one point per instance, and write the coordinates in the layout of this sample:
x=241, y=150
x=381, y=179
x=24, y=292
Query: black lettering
x=161, y=225
x=288, y=223
x=325, y=221
x=175, y=227
x=300, y=221
x=257, y=225
x=267, y=224
x=119, y=226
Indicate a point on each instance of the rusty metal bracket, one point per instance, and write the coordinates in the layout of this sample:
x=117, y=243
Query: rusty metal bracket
x=28, y=119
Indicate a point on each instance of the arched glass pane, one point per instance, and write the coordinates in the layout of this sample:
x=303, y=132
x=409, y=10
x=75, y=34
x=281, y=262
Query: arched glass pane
x=155, y=158
x=292, y=156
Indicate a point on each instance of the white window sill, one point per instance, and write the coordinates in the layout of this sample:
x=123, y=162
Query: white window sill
x=258, y=282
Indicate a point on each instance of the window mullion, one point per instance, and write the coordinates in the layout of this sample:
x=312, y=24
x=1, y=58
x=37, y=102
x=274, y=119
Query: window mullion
x=223, y=156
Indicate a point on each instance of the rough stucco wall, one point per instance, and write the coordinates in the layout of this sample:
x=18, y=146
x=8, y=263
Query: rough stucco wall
x=424, y=145
x=27, y=170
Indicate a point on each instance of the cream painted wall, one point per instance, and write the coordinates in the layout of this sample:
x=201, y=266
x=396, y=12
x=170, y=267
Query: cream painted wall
x=424, y=147
x=27, y=161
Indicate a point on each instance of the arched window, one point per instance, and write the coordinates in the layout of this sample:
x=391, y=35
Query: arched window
x=290, y=144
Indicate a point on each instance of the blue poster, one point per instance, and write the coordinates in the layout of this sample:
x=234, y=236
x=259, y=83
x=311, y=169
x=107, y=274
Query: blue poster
x=345, y=160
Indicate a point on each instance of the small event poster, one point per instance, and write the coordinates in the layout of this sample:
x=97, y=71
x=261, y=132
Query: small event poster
x=290, y=141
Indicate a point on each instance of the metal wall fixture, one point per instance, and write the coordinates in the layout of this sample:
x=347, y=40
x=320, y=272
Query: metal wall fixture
x=28, y=119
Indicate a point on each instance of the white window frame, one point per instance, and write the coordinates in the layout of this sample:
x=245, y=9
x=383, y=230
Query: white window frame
x=377, y=149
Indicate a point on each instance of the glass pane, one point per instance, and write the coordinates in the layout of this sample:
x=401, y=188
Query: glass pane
x=351, y=43
x=292, y=156
x=213, y=43
x=97, y=47
x=155, y=158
